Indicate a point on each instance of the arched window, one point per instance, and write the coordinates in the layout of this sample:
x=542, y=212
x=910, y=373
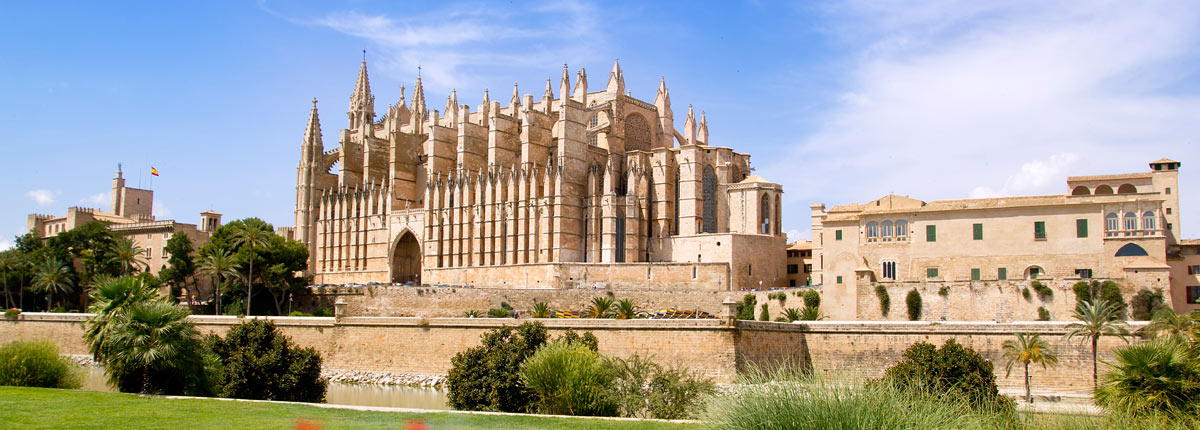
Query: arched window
x=1081, y=191
x=1112, y=222
x=1148, y=221
x=901, y=230
x=1127, y=189
x=1103, y=190
x=1130, y=222
x=889, y=270
x=1131, y=250
x=620, y=230
x=764, y=215
x=637, y=133
x=709, y=217
x=778, y=217
x=872, y=231
x=886, y=230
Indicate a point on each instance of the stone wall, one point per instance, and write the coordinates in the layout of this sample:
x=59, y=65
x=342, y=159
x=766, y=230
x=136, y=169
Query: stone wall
x=1001, y=301
x=417, y=345
x=646, y=276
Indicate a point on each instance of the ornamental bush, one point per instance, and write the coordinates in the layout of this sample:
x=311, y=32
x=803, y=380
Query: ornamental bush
x=1108, y=290
x=1043, y=314
x=1145, y=303
x=745, y=308
x=812, y=299
x=256, y=361
x=914, y=305
x=486, y=377
x=885, y=300
x=569, y=379
x=36, y=363
x=953, y=371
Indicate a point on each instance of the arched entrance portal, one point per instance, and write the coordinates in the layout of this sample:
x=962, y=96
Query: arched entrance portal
x=406, y=259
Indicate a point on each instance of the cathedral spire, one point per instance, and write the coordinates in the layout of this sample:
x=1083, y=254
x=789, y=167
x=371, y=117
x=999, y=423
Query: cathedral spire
x=515, y=101
x=312, y=133
x=689, y=127
x=418, y=107
x=580, y=87
x=362, y=103
x=702, y=134
x=452, y=106
x=564, y=85
x=616, y=80
x=663, y=93
x=547, y=97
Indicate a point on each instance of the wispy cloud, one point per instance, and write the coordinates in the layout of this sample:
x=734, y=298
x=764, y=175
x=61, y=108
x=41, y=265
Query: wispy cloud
x=454, y=45
x=42, y=197
x=97, y=200
x=952, y=98
x=5, y=243
x=161, y=211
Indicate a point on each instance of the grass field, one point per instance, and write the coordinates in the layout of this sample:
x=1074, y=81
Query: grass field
x=43, y=408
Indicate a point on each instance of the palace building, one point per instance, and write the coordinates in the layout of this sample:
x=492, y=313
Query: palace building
x=573, y=189
x=1122, y=227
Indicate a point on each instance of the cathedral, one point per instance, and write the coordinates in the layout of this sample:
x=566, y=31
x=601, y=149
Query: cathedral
x=579, y=189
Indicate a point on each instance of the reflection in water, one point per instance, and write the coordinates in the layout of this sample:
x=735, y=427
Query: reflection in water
x=338, y=394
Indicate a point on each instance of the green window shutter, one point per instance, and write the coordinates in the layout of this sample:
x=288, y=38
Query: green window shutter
x=931, y=233
x=978, y=231
x=837, y=235
x=1002, y=273
x=839, y=279
x=1081, y=228
x=975, y=274
x=1039, y=229
x=931, y=272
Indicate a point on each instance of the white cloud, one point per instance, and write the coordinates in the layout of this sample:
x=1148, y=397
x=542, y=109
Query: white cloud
x=100, y=200
x=951, y=99
x=161, y=211
x=42, y=197
x=455, y=45
x=795, y=235
x=5, y=244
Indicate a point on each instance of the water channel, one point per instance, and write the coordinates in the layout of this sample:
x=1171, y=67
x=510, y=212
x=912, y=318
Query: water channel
x=338, y=393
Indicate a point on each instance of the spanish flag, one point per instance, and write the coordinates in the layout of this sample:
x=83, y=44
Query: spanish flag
x=153, y=171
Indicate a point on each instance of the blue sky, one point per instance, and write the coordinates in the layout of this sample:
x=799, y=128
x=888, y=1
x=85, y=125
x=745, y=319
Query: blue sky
x=838, y=101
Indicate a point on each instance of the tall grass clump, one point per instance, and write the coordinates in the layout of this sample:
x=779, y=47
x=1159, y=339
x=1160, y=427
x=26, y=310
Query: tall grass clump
x=789, y=398
x=36, y=363
x=569, y=379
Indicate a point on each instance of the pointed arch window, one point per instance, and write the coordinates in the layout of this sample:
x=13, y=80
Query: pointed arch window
x=1148, y=221
x=872, y=231
x=764, y=215
x=885, y=231
x=1111, y=223
x=1130, y=222
x=901, y=230
x=675, y=205
x=709, y=217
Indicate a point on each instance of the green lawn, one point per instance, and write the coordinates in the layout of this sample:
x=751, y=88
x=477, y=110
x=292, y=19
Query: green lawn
x=43, y=408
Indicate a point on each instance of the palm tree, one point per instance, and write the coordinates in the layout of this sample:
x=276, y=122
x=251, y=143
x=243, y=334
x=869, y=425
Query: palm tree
x=8, y=263
x=1028, y=349
x=791, y=314
x=52, y=277
x=625, y=309
x=218, y=264
x=1147, y=377
x=111, y=300
x=1172, y=325
x=541, y=310
x=810, y=313
x=250, y=236
x=128, y=254
x=153, y=336
x=1097, y=319
x=601, y=307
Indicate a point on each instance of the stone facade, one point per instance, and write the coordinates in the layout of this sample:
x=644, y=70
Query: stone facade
x=1185, y=276
x=710, y=347
x=799, y=263
x=586, y=178
x=1120, y=227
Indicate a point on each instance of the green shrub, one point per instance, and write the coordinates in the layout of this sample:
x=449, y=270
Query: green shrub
x=1026, y=294
x=36, y=363
x=472, y=314
x=1145, y=303
x=255, y=361
x=885, y=300
x=745, y=308
x=323, y=313
x=1042, y=290
x=299, y=314
x=541, y=310
x=790, y=314
x=781, y=297
x=952, y=371
x=1043, y=314
x=1108, y=290
x=913, y=300
x=764, y=315
x=812, y=299
x=569, y=379
x=645, y=389
x=796, y=399
x=810, y=314
x=1159, y=376
x=586, y=340
x=12, y=314
x=944, y=291
x=486, y=377
x=499, y=313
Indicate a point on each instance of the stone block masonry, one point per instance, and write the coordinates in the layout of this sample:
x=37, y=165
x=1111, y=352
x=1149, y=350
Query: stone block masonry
x=709, y=347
